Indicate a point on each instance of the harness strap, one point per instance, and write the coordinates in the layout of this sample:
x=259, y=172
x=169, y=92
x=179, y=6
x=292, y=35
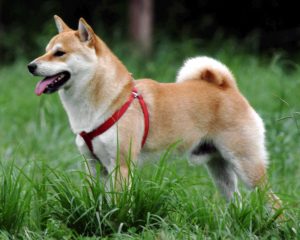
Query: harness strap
x=89, y=136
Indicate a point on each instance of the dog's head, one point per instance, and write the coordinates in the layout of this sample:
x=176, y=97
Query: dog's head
x=69, y=59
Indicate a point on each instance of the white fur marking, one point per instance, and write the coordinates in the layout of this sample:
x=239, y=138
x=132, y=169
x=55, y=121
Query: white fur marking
x=50, y=68
x=59, y=25
x=56, y=47
x=192, y=68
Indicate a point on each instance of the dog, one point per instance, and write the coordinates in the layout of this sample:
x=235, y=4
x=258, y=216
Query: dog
x=203, y=109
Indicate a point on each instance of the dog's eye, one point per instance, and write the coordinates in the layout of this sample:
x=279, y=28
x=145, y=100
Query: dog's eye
x=59, y=53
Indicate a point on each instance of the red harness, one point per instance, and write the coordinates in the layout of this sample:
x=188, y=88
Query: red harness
x=88, y=137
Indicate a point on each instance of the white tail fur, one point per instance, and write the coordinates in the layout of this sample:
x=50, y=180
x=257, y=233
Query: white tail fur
x=206, y=69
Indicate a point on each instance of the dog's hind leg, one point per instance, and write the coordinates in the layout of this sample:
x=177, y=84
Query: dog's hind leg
x=220, y=170
x=223, y=175
x=243, y=148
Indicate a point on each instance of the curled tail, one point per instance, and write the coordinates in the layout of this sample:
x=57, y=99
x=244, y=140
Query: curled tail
x=206, y=69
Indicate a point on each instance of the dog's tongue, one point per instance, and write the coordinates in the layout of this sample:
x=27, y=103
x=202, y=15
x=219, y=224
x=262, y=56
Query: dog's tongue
x=42, y=85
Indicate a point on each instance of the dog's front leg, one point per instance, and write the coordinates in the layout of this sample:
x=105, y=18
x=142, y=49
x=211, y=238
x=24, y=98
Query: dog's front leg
x=124, y=164
x=93, y=164
x=121, y=175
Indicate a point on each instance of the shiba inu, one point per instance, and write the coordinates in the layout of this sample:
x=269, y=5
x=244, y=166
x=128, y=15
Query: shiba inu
x=203, y=109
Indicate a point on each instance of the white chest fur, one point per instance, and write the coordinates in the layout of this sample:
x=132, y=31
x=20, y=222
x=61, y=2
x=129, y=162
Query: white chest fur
x=104, y=146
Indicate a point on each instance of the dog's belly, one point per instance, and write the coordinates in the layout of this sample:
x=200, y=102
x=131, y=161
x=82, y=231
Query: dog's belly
x=197, y=155
x=146, y=157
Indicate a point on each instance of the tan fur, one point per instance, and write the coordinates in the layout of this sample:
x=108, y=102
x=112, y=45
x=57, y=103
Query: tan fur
x=214, y=78
x=203, y=105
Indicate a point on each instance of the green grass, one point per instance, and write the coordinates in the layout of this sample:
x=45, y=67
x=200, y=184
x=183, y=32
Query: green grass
x=44, y=194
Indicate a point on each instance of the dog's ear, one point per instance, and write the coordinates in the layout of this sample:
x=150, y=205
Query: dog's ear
x=60, y=24
x=85, y=31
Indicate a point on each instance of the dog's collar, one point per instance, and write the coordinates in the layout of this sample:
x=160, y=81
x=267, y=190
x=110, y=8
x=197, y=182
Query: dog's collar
x=89, y=136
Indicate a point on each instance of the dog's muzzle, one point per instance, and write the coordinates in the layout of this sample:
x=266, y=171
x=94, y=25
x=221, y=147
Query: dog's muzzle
x=32, y=67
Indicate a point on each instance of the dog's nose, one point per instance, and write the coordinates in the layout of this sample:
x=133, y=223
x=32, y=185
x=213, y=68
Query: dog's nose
x=32, y=67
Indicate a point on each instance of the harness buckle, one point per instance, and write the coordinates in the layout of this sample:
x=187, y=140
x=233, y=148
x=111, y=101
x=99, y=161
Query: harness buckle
x=135, y=94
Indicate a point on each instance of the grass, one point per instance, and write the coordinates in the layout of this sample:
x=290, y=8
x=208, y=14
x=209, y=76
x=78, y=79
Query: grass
x=45, y=194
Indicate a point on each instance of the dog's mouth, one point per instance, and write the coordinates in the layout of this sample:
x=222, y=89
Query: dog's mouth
x=51, y=84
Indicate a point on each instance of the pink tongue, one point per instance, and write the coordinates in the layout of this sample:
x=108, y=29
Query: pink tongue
x=42, y=85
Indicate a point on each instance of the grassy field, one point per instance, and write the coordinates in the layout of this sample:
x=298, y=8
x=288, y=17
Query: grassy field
x=46, y=194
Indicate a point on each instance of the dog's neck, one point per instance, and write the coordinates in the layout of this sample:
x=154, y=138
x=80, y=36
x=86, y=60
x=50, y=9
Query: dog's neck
x=99, y=94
